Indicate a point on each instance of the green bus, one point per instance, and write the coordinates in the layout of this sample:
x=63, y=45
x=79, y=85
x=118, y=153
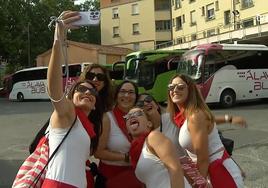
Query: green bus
x=151, y=70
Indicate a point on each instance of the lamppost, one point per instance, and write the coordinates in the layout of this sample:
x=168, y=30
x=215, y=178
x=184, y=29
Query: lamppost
x=29, y=45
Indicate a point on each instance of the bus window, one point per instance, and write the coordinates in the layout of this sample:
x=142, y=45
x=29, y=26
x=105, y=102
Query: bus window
x=146, y=75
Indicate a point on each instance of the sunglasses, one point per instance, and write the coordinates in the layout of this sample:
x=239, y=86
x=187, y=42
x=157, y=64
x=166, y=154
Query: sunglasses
x=179, y=87
x=147, y=99
x=124, y=92
x=84, y=89
x=133, y=115
x=92, y=75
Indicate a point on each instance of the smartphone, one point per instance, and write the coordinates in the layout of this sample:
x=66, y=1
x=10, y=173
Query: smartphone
x=88, y=18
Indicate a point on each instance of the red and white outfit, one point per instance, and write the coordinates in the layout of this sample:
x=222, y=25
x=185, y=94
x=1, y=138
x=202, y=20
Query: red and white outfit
x=67, y=169
x=118, y=173
x=223, y=171
x=152, y=172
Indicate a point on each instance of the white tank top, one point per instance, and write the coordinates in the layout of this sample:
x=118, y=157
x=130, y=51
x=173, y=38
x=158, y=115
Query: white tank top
x=117, y=141
x=69, y=163
x=152, y=172
x=214, y=142
x=170, y=130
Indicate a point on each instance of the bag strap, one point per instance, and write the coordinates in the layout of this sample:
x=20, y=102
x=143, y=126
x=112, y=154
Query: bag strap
x=52, y=155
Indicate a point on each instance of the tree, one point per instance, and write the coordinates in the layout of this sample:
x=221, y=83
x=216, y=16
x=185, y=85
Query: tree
x=24, y=25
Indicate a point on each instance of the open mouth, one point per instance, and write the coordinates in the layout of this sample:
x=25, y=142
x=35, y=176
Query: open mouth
x=134, y=124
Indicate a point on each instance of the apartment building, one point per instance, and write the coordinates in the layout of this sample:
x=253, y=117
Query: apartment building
x=135, y=24
x=182, y=24
x=218, y=21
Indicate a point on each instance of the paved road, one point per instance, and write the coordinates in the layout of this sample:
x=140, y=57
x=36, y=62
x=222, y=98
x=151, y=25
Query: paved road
x=20, y=121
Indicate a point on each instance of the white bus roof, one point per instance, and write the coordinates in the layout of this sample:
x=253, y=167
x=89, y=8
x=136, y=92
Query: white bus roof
x=43, y=67
x=249, y=47
x=257, y=47
x=32, y=68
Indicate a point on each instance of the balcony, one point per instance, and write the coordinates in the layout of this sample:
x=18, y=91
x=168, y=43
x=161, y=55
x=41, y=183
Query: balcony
x=250, y=30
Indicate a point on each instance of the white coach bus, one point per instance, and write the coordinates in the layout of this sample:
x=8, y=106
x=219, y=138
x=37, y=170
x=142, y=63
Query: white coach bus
x=227, y=73
x=31, y=83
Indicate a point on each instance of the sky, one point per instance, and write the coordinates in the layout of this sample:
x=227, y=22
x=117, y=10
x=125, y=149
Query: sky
x=77, y=2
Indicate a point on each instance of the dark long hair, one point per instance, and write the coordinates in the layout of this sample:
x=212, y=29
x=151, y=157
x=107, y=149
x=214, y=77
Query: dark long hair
x=95, y=115
x=107, y=91
x=119, y=86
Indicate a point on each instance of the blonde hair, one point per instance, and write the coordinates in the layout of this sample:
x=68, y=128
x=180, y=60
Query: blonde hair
x=194, y=101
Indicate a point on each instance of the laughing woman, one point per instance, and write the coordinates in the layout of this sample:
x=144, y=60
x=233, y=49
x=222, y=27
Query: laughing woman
x=152, y=154
x=199, y=135
x=67, y=167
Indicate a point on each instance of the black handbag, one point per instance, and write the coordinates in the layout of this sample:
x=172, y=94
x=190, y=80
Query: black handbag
x=228, y=143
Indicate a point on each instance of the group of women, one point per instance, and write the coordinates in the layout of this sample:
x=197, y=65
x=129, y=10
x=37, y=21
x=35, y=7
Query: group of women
x=137, y=145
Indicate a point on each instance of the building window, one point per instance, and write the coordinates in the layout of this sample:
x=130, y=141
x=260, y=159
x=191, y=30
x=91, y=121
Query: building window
x=135, y=9
x=248, y=23
x=203, y=11
x=210, y=12
x=192, y=17
x=193, y=37
x=115, y=13
x=115, y=31
x=177, y=4
x=135, y=29
x=246, y=3
x=179, y=41
x=211, y=32
x=178, y=23
x=217, y=5
x=227, y=17
x=163, y=25
x=191, y=1
x=136, y=46
x=161, y=5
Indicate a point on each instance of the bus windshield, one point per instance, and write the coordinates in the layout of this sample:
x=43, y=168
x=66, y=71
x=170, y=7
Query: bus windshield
x=191, y=64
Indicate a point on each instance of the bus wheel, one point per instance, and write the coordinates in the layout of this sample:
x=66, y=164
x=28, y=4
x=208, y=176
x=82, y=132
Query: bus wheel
x=20, y=97
x=227, y=98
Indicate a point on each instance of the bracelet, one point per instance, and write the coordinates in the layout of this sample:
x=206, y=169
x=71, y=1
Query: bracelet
x=126, y=157
x=227, y=118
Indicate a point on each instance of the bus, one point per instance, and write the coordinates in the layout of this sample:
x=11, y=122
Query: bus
x=227, y=73
x=31, y=83
x=151, y=70
x=116, y=73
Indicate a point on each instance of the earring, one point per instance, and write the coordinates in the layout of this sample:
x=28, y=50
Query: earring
x=94, y=108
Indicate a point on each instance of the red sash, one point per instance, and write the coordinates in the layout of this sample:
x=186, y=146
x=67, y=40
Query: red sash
x=179, y=119
x=219, y=175
x=119, y=114
x=136, y=148
x=86, y=122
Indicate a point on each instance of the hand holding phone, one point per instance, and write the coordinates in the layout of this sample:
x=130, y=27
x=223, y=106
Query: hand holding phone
x=88, y=18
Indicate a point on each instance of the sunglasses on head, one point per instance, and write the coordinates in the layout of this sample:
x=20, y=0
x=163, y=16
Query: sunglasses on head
x=84, y=89
x=92, y=75
x=148, y=99
x=133, y=114
x=179, y=87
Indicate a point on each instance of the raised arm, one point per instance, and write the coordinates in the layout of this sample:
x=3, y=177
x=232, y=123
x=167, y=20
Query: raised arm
x=165, y=150
x=63, y=109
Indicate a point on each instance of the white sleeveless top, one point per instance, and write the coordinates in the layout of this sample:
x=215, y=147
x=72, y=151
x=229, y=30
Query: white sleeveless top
x=117, y=141
x=69, y=163
x=214, y=142
x=170, y=130
x=152, y=172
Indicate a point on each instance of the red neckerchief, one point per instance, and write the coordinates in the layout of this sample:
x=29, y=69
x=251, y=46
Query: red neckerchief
x=136, y=148
x=85, y=122
x=119, y=116
x=179, y=119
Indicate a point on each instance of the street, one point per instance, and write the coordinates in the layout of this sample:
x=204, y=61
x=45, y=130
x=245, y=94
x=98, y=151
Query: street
x=20, y=121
